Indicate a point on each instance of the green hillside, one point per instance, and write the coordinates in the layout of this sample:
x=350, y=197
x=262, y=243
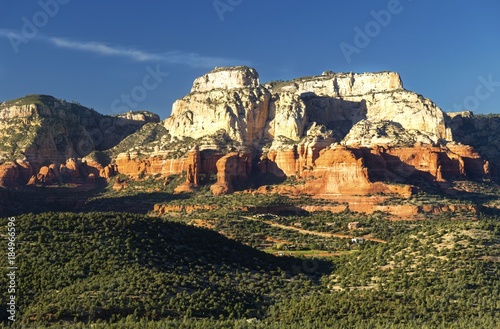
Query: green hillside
x=120, y=270
x=110, y=266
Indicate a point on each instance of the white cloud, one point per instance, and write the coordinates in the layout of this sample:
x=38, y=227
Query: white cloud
x=172, y=57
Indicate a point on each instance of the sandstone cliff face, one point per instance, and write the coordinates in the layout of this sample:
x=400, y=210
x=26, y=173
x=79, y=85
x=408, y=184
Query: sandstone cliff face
x=387, y=133
x=407, y=109
x=241, y=113
x=287, y=117
x=366, y=133
x=227, y=99
x=195, y=163
x=341, y=170
x=135, y=167
x=51, y=130
x=227, y=78
x=232, y=100
x=341, y=84
x=192, y=172
x=24, y=173
x=341, y=100
x=339, y=133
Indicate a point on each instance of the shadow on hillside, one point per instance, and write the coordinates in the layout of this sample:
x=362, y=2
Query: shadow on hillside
x=140, y=203
x=201, y=244
x=36, y=200
x=14, y=202
x=167, y=264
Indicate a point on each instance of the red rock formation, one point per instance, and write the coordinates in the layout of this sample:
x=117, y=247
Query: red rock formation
x=192, y=172
x=282, y=163
x=232, y=171
x=108, y=171
x=291, y=161
x=47, y=175
x=32, y=181
x=361, y=171
x=441, y=163
x=9, y=174
x=26, y=170
x=208, y=159
x=23, y=173
x=70, y=171
x=119, y=184
x=339, y=171
x=474, y=166
x=136, y=167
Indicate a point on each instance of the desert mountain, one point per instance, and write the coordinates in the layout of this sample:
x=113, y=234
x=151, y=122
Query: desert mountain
x=340, y=133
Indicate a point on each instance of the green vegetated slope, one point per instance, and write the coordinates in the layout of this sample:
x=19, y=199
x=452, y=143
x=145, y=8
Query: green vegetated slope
x=109, y=266
x=133, y=271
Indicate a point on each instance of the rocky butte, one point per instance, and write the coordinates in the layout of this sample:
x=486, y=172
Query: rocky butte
x=338, y=134
x=346, y=133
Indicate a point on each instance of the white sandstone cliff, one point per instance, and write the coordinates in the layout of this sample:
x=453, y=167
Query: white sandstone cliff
x=231, y=99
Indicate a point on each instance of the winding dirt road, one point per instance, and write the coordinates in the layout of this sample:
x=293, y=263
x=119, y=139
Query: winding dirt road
x=322, y=234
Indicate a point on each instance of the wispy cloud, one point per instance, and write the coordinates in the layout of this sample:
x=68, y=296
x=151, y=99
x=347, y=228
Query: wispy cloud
x=171, y=57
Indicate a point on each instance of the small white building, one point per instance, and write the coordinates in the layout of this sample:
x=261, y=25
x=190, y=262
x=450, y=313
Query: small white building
x=358, y=240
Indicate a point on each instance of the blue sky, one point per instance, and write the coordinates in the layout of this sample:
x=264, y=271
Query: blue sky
x=94, y=52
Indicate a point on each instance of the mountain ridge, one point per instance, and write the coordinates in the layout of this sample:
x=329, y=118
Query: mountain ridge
x=233, y=127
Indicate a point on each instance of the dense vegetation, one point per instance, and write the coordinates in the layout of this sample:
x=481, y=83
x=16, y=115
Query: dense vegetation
x=131, y=271
x=109, y=266
x=249, y=261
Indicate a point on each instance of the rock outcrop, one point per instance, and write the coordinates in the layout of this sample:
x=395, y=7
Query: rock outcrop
x=241, y=113
x=233, y=170
x=342, y=170
x=354, y=131
x=192, y=172
x=366, y=133
x=137, y=166
x=227, y=78
x=9, y=174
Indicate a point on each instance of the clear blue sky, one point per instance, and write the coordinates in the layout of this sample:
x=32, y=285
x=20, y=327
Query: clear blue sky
x=95, y=51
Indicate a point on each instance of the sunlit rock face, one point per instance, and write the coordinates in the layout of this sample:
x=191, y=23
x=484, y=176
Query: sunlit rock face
x=338, y=133
x=233, y=100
